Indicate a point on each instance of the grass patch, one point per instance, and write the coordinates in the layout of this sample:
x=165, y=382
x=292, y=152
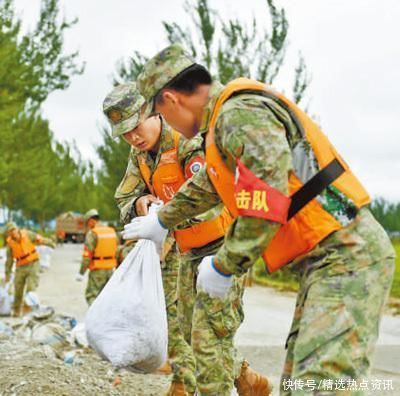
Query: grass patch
x=283, y=280
x=395, y=292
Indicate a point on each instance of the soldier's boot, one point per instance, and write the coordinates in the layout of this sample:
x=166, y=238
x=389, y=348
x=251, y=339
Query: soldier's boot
x=251, y=383
x=248, y=280
x=26, y=309
x=177, y=389
x=16, y=312
x=165, y=369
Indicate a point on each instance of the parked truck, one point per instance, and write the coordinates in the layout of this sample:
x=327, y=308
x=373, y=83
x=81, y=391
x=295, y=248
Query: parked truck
x=70, y=227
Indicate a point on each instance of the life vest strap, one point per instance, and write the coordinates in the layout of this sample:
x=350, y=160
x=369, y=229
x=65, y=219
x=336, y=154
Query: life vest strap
x=25, y=255
x=315, y=186
x=103, y=258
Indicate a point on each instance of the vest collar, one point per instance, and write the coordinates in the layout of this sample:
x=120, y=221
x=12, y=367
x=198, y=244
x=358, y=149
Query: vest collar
x=215, y=90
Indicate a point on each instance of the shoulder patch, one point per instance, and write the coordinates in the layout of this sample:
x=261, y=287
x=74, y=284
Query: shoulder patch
x=194, y=166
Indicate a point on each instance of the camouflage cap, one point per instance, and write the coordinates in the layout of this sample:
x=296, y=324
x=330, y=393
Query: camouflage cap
x=160, y=70
x=122, y=108
x=11, y=226
x=91, y=213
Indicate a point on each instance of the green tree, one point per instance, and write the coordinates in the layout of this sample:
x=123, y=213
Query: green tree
x=114, y=156
x=229, y=48
x=33, y=65
x=387, y=213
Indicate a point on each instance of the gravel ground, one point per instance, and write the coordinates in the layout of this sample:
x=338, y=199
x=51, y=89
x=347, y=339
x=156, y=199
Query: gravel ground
x=31, y=369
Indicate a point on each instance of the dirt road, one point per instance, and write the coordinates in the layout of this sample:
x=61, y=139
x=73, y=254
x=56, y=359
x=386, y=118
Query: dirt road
x=260, y=339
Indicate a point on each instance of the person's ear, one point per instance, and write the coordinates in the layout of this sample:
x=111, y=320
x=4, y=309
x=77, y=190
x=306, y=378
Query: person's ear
x=170, y=98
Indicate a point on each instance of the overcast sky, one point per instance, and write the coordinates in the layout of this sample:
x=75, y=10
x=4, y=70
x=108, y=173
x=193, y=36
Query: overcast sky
x=351, y=49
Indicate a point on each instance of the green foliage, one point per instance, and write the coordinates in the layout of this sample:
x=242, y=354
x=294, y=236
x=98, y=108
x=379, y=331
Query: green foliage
x=128, y=70
x=284, y=279
x=387, y=213
x=229, y=48
x=114, y=156
x=38, y=176
x=42, y=49
x=395, y=292
x=301, y=80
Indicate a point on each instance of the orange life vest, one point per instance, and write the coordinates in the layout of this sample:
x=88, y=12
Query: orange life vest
x=104, y=255
x=311, y=224
x=24, y=251
x=166, y=180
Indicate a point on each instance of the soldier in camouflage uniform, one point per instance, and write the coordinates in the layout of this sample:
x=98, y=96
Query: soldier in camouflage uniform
x=345, y=279
x=26, y=275
x=97, y=278
x=133, y=196
x=123, y=250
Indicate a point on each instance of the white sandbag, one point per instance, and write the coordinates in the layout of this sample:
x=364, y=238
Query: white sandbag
x=127, y=323
x=31, y=299
x=5, y=302
x=78, y=334
x=44, y=253
x=5, y=298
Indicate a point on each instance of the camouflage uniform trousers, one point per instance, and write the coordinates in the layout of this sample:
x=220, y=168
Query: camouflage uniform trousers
x=179, y=350
x=342, y=293
x=209, y=325
x=26, y=278
x=97, y=279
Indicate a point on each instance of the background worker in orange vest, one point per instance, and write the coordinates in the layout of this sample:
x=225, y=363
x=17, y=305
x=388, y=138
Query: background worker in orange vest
x=21, y=248
x=99, y=255
x=159, y=163
x=294, y=199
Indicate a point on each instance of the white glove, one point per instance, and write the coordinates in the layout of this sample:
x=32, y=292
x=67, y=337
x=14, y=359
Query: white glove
x=146, y=227
x=214, y=283
x=79, y=277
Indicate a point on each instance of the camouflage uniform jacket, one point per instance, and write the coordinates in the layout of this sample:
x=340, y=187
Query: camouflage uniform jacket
x=88, y=249
x=259, y=132
x=133, y=185
x=35, y=238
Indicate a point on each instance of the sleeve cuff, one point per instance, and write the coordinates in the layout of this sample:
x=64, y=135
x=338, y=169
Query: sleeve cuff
x=219, y=270
x=162, y=224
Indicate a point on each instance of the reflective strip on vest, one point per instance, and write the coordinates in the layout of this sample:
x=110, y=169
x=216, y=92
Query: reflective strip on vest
x=104, y=254
x=311, y=224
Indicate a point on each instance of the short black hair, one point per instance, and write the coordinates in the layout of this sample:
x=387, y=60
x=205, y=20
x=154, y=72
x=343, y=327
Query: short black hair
x=187, y=81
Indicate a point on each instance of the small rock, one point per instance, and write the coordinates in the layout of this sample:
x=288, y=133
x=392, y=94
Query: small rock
x=117, y=381
x=49, y=352
x=110, y=373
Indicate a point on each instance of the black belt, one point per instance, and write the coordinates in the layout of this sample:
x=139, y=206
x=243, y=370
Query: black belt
x=103, y=258
x=315, y=186
x=26, y=255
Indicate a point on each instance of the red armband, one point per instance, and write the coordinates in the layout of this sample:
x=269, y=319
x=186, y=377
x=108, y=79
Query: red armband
x=256, y=198
x=194, y=166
